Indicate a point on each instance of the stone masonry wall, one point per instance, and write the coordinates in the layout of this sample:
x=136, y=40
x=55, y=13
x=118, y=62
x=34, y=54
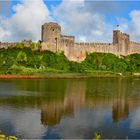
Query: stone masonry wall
x=134, y=47
x=6, y=44
x=120, y=46
x=53, y=40
x=66, y=44
x=81, y=49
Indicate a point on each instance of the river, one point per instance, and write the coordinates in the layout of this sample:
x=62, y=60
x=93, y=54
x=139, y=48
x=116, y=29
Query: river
x=70, y=108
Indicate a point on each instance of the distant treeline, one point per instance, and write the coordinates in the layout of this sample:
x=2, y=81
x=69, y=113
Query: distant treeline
x=23, y=60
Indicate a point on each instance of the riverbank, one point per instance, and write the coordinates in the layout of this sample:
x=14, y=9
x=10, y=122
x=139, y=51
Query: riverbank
x=68, y=75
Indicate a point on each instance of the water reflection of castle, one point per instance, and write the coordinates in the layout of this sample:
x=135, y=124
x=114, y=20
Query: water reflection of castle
x=75, y=97
x=84, y=94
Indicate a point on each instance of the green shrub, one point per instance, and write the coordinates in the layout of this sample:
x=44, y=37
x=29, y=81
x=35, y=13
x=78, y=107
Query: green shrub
x=14, y=59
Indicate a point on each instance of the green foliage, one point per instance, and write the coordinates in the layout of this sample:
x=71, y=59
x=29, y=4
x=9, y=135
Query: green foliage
x=19, y=45
x=23, y=60
x=133, y=62
x=75, y=67
x=109, y=60
x=97, y=136
x=4, y=137
x=21, y=57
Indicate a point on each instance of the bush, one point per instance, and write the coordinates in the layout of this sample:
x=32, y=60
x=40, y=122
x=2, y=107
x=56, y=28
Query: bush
x=14, y=59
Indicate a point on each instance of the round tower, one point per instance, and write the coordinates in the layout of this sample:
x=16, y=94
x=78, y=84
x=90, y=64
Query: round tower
x=51, y=33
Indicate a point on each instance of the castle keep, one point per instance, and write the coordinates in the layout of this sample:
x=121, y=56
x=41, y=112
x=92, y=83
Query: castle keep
x=53, y=40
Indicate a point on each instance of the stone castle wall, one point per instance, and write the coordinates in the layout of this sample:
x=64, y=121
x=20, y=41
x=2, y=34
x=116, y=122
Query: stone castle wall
x=81, y=49
x=134, y=47
x=67, y=45
x=6, y=44
x=120, y=46
x=53, y=40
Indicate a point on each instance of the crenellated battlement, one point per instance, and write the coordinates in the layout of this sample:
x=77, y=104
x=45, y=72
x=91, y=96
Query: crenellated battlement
x=92, y=43
x=6, y=44
x=135, y=43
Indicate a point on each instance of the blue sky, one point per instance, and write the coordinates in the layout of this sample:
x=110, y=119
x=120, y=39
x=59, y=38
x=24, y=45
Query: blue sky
x=125, y=6
x=87, y=20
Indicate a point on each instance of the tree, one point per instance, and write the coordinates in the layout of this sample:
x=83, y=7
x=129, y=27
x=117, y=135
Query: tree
x=22, y=57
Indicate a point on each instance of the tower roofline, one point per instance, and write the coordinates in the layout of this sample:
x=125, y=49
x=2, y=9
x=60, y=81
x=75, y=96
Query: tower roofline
x=51, y=23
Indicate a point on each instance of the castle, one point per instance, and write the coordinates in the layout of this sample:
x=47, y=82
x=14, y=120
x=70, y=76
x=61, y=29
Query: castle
x=53, y=40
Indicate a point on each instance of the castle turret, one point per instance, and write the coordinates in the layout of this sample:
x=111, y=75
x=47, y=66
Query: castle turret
x=122, y=41
x=51, y=33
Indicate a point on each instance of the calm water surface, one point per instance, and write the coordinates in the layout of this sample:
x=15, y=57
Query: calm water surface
x=47, y=108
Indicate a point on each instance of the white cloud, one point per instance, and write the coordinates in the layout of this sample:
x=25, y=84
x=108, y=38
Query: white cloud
x=87, y=20
x=4, y=33
x=82, y=38
x=131, y=26
x=135, y=24
x=25, y=123
x=26, y=22
x=77, y=20
x=75, y=128
x=123, y=24
x=135, y=119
